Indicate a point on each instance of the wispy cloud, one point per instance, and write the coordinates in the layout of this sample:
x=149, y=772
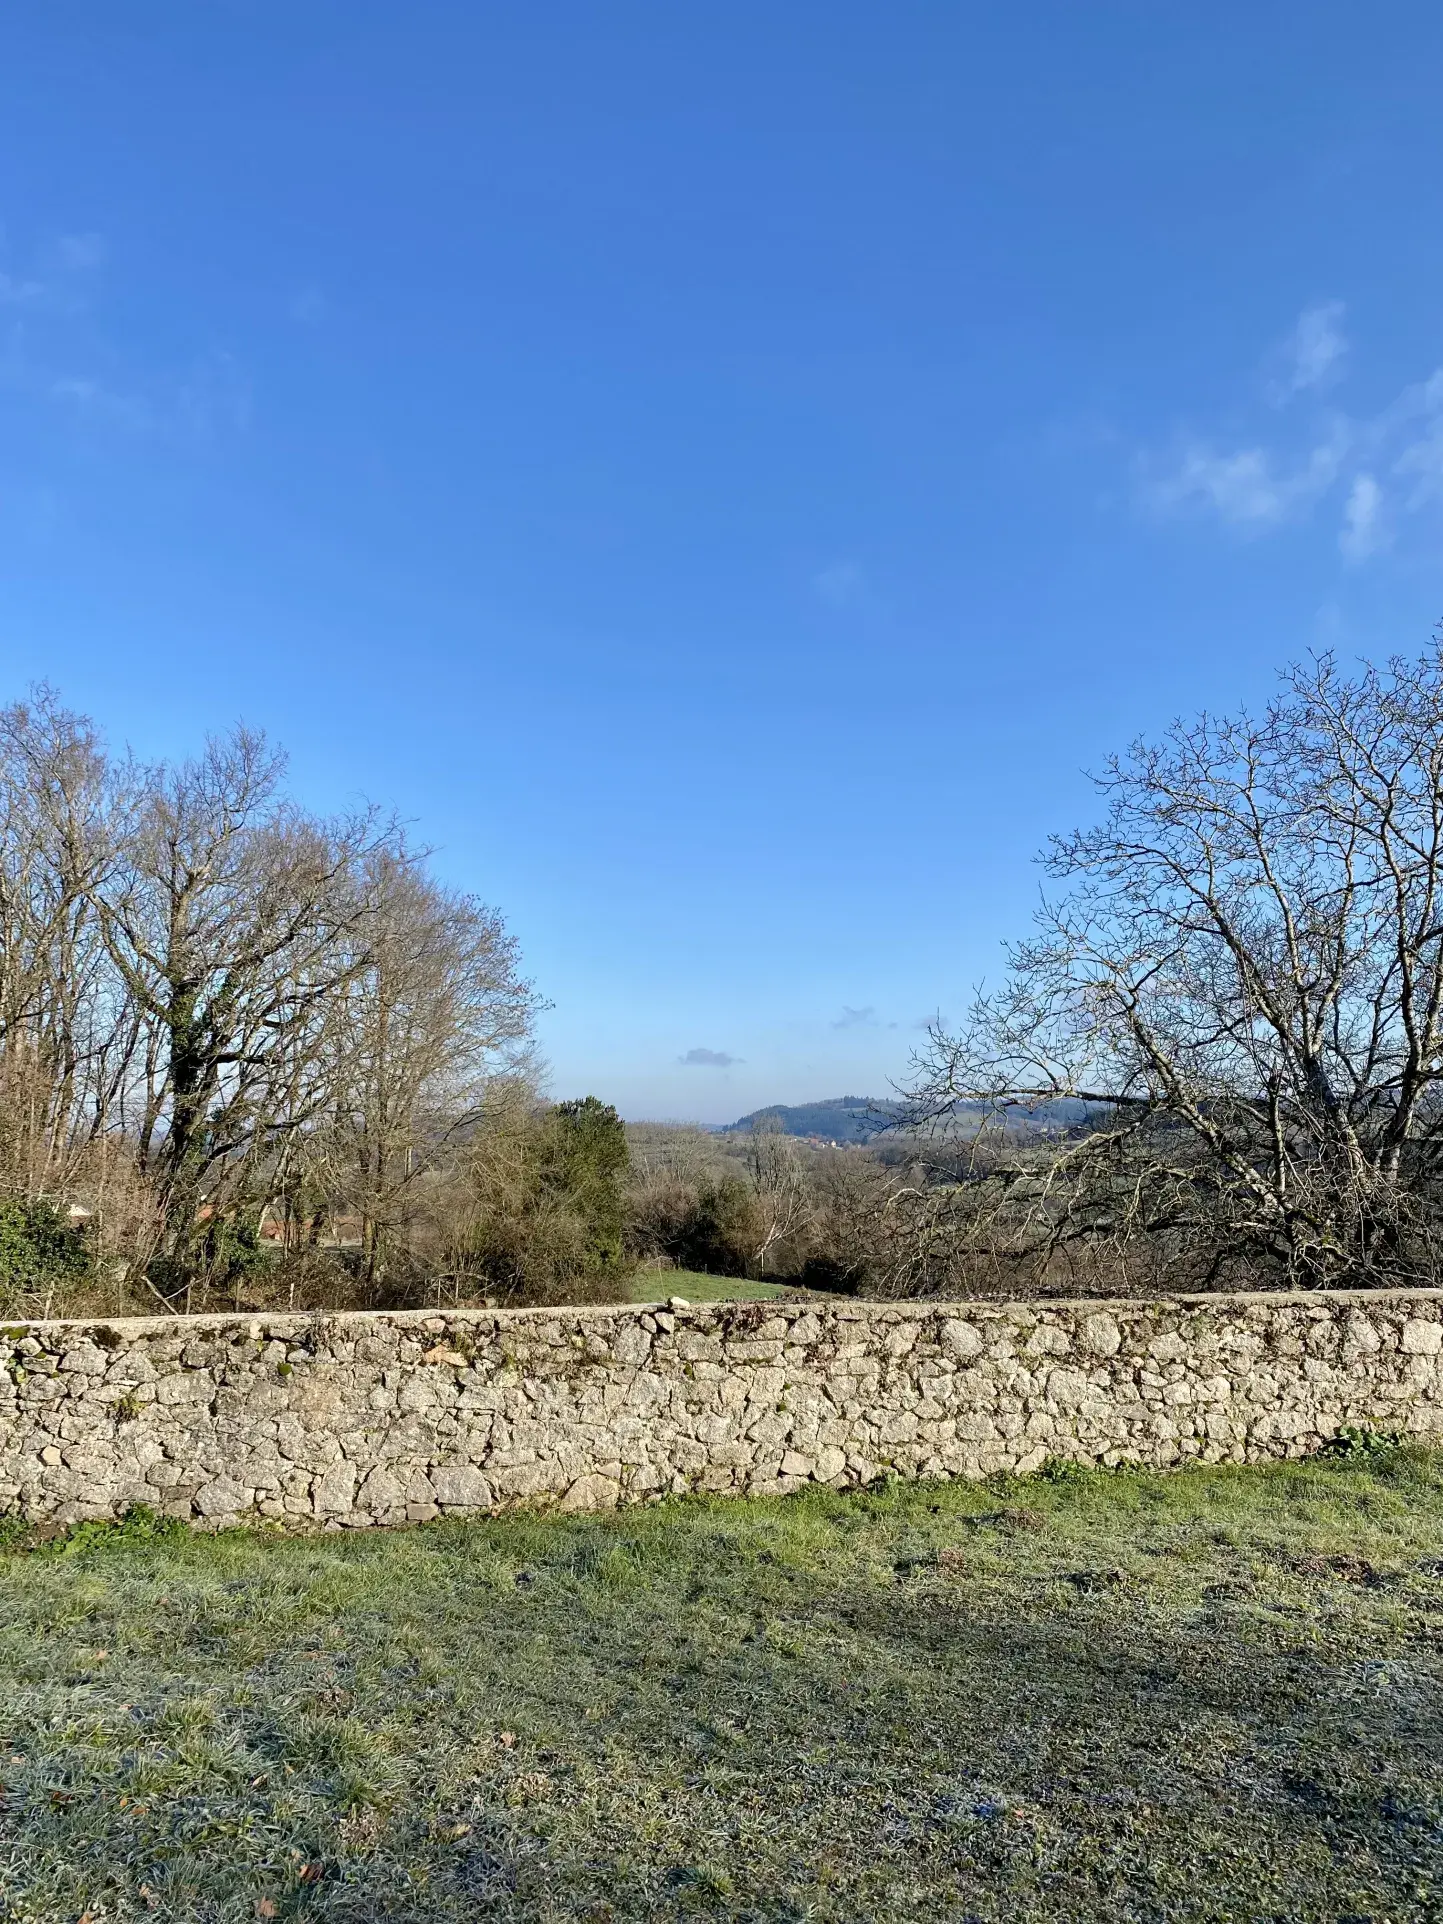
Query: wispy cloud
x=1362, y=531
x=15, y=292
x=1314, y=352
x=79, y=253
x=55, y=350
x=207, y=400
x=1250, y=489
x=839, y=584
x=856, y=1018
x=96, y=402
x=1419, y=411
x=707, y=1059
x=1377, y=469
x=56, y=278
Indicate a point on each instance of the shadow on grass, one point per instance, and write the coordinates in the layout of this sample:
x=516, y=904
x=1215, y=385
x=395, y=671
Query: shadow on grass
x=1200, y=1697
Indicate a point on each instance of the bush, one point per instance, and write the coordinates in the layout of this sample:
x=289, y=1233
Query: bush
x=548, y=1205
x=235, y=1253
x=585, y=1160
x=704, y=1223
x=40, y=1254
x=722, y=1231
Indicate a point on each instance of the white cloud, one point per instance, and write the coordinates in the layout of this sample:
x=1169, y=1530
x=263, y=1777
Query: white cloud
x=1362, y=531
x=1249, y=489
x=1386, y=466
x=1315, y=349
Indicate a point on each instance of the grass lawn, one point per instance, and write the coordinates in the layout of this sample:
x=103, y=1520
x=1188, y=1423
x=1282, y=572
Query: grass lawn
x=1214, y=1695
x=655, y=1285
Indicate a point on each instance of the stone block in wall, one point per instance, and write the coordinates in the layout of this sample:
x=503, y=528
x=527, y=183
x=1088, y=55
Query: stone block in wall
x=461, y=1486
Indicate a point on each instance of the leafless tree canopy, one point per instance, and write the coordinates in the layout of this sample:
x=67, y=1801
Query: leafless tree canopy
x=213, y=1002
x=1240, y=965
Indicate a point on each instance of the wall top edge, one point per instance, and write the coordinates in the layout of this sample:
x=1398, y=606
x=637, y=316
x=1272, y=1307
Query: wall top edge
x=848, y=1308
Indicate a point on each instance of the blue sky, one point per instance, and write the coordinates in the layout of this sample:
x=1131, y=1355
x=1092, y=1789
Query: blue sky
x=723, y=473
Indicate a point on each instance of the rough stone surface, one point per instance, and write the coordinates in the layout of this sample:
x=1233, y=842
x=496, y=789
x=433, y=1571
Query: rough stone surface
x=359, y=1420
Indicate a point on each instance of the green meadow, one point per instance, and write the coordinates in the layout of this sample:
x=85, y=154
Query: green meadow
x=1211, y=1695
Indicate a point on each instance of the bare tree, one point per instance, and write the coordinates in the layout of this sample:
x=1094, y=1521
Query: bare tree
x=779, y=1185
x=1244, y=969
x=66, y=1037
x=211, y=1000
x=234, y=921
x=435, y=1011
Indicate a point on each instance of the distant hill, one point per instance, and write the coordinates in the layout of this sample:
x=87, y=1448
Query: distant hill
x=860, y=1118
x=838, y=1119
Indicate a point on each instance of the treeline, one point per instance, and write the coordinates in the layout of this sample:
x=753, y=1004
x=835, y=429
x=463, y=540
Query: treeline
x=1233, y=991
x=248, y=1053
x=896, y=1217
x=254, y=1056
x=233, y=1030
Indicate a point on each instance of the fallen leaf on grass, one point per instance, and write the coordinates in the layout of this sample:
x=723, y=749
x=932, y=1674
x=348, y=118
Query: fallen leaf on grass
x=507, y=1740
x=532, y=1788
x=265, y=1907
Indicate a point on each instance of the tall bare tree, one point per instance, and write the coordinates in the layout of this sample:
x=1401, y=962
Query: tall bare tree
x=1243, y=967
x=66, y=1038
x=209, y=997
x=234, y=921
x=435, y=1011
x=779, y=1186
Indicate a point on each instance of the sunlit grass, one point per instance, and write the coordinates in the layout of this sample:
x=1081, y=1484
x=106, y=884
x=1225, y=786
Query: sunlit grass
x=656, y=1285
x=1211, y=1695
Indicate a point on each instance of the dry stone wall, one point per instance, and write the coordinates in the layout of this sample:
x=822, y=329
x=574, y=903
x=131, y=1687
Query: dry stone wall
x=357, y=1420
